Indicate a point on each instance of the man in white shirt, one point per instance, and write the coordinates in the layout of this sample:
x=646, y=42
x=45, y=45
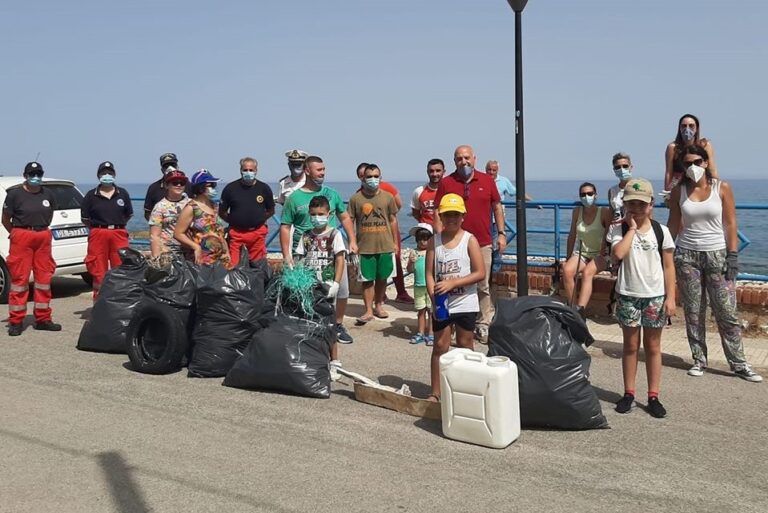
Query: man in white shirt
x=294, y=180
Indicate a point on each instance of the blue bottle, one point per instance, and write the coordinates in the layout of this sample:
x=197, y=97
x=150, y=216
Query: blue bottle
x=441, y=307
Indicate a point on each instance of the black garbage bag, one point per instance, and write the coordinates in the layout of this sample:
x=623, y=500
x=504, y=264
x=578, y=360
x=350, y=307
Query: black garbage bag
x=288, y=355
x=543, y=337
x=172, y=284
x=229, y=304
x=120, y=292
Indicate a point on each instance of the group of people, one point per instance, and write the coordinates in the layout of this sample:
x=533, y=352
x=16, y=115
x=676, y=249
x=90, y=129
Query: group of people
x=696, y=253
x=460, y=223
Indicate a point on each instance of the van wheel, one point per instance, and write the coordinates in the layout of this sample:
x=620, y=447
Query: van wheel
x=157, y=339
x=87, y=278
x=5, y=282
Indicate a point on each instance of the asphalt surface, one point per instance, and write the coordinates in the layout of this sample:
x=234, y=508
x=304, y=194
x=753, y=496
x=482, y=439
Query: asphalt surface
x=80, y=432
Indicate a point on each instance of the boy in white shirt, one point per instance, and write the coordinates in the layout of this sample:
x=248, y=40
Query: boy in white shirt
x=646, y=290
x=323, y=251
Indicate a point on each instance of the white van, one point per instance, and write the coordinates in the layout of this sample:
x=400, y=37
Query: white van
x=70, y=235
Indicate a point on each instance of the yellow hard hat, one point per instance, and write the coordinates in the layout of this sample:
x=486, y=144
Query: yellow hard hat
x=451, y=203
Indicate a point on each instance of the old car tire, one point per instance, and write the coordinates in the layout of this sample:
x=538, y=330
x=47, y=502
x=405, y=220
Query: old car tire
x=157, y=339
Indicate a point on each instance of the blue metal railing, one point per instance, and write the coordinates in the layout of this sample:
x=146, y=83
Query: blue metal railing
x=557, y=207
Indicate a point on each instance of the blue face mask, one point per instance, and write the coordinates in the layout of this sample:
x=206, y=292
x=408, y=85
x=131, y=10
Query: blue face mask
x=35, y=180
x=318, y=221
x=318, y=181
x=588, y=201
x=107, y=179
x=213, y=194
x=372, y=183
x=688, y=134
x=623, y=174
x=249, y=176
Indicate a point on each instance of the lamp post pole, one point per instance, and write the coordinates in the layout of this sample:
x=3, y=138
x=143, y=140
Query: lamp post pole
x=520, y=211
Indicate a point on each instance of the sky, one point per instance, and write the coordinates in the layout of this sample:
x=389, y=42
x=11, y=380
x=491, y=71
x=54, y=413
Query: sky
x=393, y=82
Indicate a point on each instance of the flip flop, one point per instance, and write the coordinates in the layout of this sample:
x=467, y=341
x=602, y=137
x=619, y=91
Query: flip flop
x=364, y=319
x=381, y=314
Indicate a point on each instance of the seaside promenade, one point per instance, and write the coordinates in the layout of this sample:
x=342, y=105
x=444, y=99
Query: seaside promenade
x=81, y=432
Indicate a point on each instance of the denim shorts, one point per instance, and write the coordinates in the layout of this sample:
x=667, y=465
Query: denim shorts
x=647, y=312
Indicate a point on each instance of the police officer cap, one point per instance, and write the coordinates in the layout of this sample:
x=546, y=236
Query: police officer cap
x=106, y=167
x=168, y=159
x=296, y=155
x=33, y=167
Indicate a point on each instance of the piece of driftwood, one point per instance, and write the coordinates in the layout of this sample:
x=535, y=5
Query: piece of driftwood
x=387, y=397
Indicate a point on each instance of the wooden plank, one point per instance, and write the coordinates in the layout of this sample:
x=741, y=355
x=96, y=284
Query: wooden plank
x=397, y=402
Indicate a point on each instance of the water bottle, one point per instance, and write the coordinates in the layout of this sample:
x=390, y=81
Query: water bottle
x=441, y=307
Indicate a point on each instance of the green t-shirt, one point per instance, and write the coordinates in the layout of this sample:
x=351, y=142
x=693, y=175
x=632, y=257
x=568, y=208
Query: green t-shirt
x=296, y=210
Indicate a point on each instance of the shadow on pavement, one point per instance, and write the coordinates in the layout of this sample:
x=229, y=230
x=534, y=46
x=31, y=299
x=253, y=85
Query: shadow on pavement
x=609, y=396
x=430, y=426
x=66, y=286
x=402, y=328
x=125, y=491
x=418, y=389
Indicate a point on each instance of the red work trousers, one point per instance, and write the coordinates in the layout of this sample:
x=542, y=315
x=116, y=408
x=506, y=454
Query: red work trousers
x=30, y=251
x=254, y=240
x=103, y=244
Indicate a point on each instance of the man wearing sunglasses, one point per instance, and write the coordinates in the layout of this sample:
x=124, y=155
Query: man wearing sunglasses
x=622, y=168
x=27, y=215
x=482, y=199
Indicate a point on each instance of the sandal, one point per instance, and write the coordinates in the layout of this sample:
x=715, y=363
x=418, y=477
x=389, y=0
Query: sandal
x=418, y=338
x=364, y=319
x=381, y=314
x=430, y=396
x=429, y=340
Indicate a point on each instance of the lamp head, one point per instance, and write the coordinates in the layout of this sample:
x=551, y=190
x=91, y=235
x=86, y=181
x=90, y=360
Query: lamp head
x=517, y=5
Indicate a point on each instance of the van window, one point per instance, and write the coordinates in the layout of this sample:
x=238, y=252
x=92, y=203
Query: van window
x=67, y=197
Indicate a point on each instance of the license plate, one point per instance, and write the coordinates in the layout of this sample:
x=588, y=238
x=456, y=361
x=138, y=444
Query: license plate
x=70, y=233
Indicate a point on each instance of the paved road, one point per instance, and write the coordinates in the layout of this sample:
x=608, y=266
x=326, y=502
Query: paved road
x=81, y=433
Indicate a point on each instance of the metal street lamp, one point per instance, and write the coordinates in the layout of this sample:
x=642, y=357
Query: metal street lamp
x=522, y=237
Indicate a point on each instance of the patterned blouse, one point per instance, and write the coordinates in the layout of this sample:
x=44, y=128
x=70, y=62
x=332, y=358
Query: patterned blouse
x=207, y=230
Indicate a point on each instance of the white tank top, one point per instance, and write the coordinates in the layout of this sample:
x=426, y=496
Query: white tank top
x=454, y=263
x=702, y=221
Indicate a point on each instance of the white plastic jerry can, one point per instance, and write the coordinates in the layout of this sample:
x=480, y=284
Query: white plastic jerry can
x=480, y=398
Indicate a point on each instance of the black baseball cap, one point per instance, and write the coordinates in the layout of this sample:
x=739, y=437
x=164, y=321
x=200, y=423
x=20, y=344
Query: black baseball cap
x=33, y=168
x=105, y=167
x=168, y=159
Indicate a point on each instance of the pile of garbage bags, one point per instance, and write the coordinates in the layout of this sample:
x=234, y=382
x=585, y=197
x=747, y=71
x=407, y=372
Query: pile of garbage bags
x=544, y=338
x=236, y=323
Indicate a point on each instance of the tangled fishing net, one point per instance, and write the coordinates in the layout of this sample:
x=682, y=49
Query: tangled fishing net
x=293, y=291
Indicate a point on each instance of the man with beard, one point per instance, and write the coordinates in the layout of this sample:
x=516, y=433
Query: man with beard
x=423, y=197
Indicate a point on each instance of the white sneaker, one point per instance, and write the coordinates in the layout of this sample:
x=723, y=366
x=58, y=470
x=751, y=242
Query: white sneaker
x=697, y=370
x=334, y=366
x=749, y=375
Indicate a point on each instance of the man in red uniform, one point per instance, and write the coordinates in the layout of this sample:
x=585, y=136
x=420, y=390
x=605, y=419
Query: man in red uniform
x=402, y=293
x=247, y=204
x=27, y=214
x=106, y=210
x=423, y=197
x=481, y=199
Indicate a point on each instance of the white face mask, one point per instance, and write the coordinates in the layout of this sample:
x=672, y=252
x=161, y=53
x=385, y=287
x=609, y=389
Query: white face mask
x=695, y=172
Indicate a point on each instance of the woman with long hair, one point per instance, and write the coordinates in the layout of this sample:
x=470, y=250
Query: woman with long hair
x=199, y=228
x=688, y=133
x=702, y=214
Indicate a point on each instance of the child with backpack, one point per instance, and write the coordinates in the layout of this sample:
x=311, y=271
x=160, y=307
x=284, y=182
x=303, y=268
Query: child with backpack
x=645, y=288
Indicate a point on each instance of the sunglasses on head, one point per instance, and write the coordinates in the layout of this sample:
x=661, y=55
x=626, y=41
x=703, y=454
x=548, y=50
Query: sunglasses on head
x=696, y=162
x=622, y=166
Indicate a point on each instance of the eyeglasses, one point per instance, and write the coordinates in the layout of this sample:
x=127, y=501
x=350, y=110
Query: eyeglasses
x=178, y=183
x=586, y=194
x=696, y=162
x=622, y=166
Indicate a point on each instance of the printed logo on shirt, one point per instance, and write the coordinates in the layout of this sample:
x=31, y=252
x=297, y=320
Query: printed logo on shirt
x=121, y=202
x=46, y=203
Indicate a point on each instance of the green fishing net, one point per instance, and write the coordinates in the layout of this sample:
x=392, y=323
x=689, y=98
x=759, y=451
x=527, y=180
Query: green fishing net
x=293, y=289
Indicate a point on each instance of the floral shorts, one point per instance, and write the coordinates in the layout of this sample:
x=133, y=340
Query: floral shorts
x=647, y=312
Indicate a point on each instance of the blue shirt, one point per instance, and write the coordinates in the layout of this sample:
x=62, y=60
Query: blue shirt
x=505, y=187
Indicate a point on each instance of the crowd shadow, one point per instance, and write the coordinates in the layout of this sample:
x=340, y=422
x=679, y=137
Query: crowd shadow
x=66, y=287
x=418, y=389
x=125, y=491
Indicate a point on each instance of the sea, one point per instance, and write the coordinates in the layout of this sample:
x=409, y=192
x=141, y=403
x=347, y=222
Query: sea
x=748, y=193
